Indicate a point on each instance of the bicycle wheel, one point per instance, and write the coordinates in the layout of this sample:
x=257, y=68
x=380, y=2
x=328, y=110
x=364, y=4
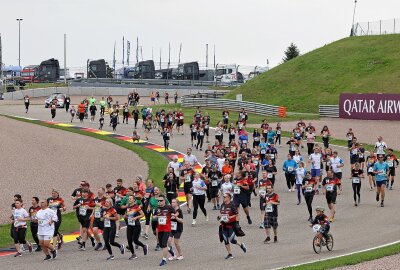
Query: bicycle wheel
x=329, y=242
x=316, y=248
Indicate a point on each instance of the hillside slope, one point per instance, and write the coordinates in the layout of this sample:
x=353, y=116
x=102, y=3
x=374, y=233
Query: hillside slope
x=356, y=65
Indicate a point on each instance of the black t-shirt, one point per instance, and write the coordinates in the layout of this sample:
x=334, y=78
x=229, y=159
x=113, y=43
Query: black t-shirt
x=171, y=184
x=179, y=225
x=271, y=170
x=77, y=192
x=356, y=173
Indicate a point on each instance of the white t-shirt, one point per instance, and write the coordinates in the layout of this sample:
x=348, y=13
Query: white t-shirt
x=221, y=162
x=44, y=217
x=316, y=161
x=197, y=184
x=380, y=147
x=175, y=166
x=20, y=213
x=227, y=188
x=334, y=163
x=297, y=158
x=191, y=159
x=300, y=174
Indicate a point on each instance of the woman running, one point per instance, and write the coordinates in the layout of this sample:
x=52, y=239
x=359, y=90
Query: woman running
x=300, y=175
x=26, y=101
x=133, y=215
x=199, y=197
x=176, y=231
x=309, y=186
x=370, y=170
x=56, y=203
x=110, y=229
x=20, y=217
x=219, y=135
x=148, y=194
x=200, y=138
x=325, y=133
x=356, y=175
x=256, y=138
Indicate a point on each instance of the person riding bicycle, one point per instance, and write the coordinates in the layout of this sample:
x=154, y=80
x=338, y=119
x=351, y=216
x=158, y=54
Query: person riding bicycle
x=322, y=220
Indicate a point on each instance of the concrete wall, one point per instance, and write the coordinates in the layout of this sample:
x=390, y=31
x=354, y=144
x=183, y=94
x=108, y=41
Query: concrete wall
x=99, y=91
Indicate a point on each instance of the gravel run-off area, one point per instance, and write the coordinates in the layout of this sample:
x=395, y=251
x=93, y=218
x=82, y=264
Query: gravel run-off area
x=36, y=159
x=385, y=263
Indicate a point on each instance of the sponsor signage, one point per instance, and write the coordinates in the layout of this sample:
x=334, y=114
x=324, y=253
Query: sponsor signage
x=370, y=106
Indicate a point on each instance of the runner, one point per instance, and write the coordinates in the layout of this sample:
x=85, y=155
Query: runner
x=84, y=207
x=186, y=177
x=193, y=131
x=92, y=110
x=356, y=175
x=370, y=170
x=241, y=188
x=102, y=106
x=53, y=109
x=199, y=196
x=316, y=160
x=381, y=171
x=72, y=112
x=176, y=231
x=119, y=193
x=133, y=215
x=325, y=133
x=67, y=103
x=26, y=102
x=263, y=183
x=271, y=218
x=278, y=134
x=330, y=190
x=229, y=217
x=171, y=185
x=125, y=113
x=165, y=133
x=393, y=163
x=256, y=138
x=206, y=123
x=289, y=167
x=309, y=186
x=163, y=214
x=336, y=164
x=310, y=141
x=349, y=136
x=149, y=193
x=219, y=135
x=109, y=102
x=46, y=218
x=380, y=146
x=56, y=203
x=200, y=138
x=20, y=216
x=81, y=111
x=300, y=175
x=100, y=202
x=34, y=226
x=110, y=228
x=180, y=121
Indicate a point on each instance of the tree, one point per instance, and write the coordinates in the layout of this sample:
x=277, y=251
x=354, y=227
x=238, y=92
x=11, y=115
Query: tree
x=291, y=52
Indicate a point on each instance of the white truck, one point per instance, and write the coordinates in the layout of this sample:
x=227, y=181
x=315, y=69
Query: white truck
x=227, y=74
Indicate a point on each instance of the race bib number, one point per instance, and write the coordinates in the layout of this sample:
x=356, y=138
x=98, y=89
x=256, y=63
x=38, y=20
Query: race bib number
x=41, y=222
x=263, y=151
x=290, y=169
x=162, y=220
x=236, y=190
x=206, y=127
x=361, y=155
x=214, y=183
x=370, y=169
x=131, y=221
x=262, y=191
x=256, y=139
x=97, y=214
x=26, y=100
x=255, y=162
x=278, y=132
x=187, y=179
x=181, y=117
x=168, y=134
x=269, y=208
x=232, y=132
x=201, y=133
x=82, y=210
x=244, y=141
x=272, y=156
x=107, y=223
x=390, y=163
x=309, y=189
x=117, y=199
x=355, y=152
x=269, y=175
x=265, y=131
x=224, y=218
x=356, y=180
x=174, y=225
x=329, y=188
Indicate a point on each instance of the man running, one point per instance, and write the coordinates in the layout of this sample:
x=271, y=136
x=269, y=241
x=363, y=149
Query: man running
x=330, y=190
x=34, y=226
x=393, y=163
x=271, y=214
x=56, y=203
x=240, y=197
x=85, y=206
x=46, y=219
x=99, y=202
x=163, y=214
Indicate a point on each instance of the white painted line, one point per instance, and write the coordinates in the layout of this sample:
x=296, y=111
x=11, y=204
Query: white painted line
x=339, y=256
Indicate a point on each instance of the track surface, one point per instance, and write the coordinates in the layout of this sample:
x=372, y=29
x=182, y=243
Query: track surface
x=355, y=228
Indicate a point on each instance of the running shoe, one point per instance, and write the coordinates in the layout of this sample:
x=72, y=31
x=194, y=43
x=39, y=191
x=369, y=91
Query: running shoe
x=171, y=259
x=133, y=257
x=158, y=248
x=93, y=242
x=382, y=205
x=54, y=253
x=163, y=262
x=214, y=208
x=122, y=249
x=98, y=246
x=377, y=197
x=249, y=220
x=30, y=248
x=310, y=219
x=146, y=236
x=229, y=256
x=180, y=258
x=18, y=254
x=117, y=234
x=38, y=249
x=145, y=249
x=111, y=257
x=261, y=226
x=275, y=239
x=193, y=222
x=266, y=241
x=47, y=258
x=82, y=248
x=207, y=218
x=218, y=206
x=243, y=247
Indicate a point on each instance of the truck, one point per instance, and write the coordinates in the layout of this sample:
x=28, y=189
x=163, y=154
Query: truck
x=142, y=70
x=66, y=74
x=228, y=74
x=188, y=71
x=48, y=71
x=96, y=68
x=29, y=73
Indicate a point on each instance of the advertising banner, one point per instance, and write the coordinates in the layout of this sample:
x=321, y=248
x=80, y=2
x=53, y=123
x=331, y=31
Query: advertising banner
x=370, y=106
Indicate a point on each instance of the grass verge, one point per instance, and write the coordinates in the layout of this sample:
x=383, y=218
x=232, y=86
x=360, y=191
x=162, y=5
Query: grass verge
x=351, y=259
x=156, y=163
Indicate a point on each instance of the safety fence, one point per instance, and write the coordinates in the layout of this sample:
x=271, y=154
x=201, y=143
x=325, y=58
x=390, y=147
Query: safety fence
x=234, y=105
x=381, y=27
x=329, y=111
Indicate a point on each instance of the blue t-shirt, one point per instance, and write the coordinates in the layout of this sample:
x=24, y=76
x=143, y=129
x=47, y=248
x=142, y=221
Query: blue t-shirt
x=383, y=167
x=263, y=146
x=289, y=166
x=270, y=136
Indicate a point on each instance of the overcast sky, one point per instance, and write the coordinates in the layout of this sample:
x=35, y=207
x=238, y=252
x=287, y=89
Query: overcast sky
x=246, y=32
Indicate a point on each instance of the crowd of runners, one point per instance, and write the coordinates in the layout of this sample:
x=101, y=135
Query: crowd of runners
x=238, y=165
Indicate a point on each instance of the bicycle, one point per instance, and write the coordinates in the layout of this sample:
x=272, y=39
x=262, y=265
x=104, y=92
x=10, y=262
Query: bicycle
x=328, y=241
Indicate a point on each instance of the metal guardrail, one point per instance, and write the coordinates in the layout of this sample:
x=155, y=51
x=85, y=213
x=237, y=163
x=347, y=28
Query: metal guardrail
x=215, y=94
x=149, y=82
x=233, y=105
x=329, y=111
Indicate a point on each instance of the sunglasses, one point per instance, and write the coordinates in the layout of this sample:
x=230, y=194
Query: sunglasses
x=160, y=200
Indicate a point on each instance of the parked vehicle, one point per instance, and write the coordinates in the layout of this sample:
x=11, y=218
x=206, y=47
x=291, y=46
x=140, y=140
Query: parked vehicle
x=60, y=100
x=228, y=74
x=142, y=70
x=29, y=74
x=48, y=71
x=96, y=68
x=66, y=74
x=188, y=71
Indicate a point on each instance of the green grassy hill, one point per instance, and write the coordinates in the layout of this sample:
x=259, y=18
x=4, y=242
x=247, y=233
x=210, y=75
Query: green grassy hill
x=369, y=64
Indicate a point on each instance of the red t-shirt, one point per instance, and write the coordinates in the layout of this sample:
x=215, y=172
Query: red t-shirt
x=164, y=218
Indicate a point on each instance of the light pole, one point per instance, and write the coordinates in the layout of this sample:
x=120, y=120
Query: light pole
x=354, y=14
x=19, y=41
